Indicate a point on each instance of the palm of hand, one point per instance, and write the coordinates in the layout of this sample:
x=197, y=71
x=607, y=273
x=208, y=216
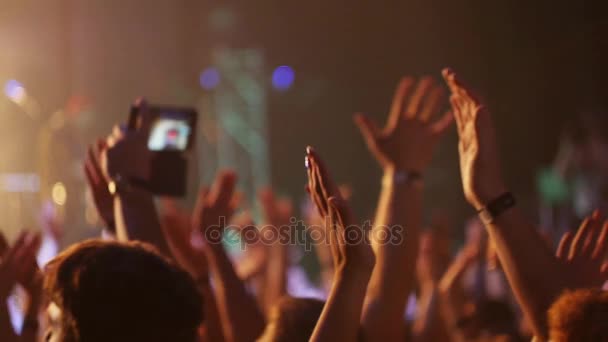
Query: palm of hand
x=409, y=146
x=178, y=231
x=215, y=208
x=408, y=139
x=479, y=166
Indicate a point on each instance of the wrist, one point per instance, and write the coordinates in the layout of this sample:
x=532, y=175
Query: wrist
x=481, y=198
x=496, y=207
x=397, y=177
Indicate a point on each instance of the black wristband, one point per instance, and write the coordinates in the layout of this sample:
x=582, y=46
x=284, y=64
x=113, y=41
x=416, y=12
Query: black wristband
x=496, y=207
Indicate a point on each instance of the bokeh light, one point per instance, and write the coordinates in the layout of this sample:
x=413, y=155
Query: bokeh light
x=210, y=78
x=15, y=91
x=59, y=193
x=283, y=77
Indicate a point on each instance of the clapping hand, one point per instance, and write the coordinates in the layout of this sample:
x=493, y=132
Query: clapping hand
x=349, y=247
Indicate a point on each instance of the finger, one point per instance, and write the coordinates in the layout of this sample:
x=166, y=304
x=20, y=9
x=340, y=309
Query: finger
x=117, y=132
x=398, y=105
x=442, y=125
x=327, y=184
x=457, y=85
x=580, y=238
x=145, y=117
x=317, y=193
x=322, y=184
x=421, y=91
x=368, y=129
x=92, y=179
x=449, y=77
x=590, y=241
x=93, y=159
x=601, y=247
x=17, y=245
x=564, y=246
x=331, y=229
x=432, y=104
x=343, y=211
x=24, y=248
x=110, y=141
x=457, y=112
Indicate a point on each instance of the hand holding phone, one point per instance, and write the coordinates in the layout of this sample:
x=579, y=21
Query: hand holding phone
x=152, y=152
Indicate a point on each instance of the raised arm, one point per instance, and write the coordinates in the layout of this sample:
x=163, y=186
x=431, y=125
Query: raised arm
x=181, y=237
x=276, y=213
x=451, y=294
x=430, y=265
x=536, y=284
x=98, y=185
x=352, y=256
x=404, y=149
x=125, y=157
x=18, y=264
x=241, y=318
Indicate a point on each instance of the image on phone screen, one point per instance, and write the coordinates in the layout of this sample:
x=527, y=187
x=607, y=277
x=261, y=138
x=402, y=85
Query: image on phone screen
x=169, y=134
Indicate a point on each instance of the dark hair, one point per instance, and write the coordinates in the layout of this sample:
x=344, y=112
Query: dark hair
x=293, y=319
x=492, y=318
x=115, y=291
x=580, y=315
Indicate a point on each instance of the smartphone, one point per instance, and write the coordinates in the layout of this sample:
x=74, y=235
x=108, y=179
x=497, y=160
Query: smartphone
x=170, y=138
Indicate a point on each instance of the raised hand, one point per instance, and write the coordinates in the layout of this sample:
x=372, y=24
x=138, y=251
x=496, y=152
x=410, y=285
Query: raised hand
x=583, y=254
x=126, y=153
x=479, y=163
x=214, y=208
x=98, y=184
x=407, y=141
x=19, y=263
x=349, y=243
x=352, y=255
x=181, y=238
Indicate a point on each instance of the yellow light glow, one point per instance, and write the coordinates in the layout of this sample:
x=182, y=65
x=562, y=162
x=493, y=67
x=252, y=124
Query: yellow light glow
x=59, y=193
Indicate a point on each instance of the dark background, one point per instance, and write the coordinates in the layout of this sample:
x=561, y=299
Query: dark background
x=536, y=63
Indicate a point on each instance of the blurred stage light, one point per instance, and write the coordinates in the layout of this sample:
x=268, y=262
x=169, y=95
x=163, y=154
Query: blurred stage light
x=283, y=77
x=210, y=78
x=59, y=193
x=15, y=91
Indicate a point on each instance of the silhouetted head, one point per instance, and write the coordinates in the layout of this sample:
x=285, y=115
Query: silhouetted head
x=111, y=291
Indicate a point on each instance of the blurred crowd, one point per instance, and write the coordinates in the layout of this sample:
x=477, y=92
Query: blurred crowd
x=163, y=272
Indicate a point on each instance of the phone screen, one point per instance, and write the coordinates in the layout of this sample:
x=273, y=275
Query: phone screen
x=169, y=133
